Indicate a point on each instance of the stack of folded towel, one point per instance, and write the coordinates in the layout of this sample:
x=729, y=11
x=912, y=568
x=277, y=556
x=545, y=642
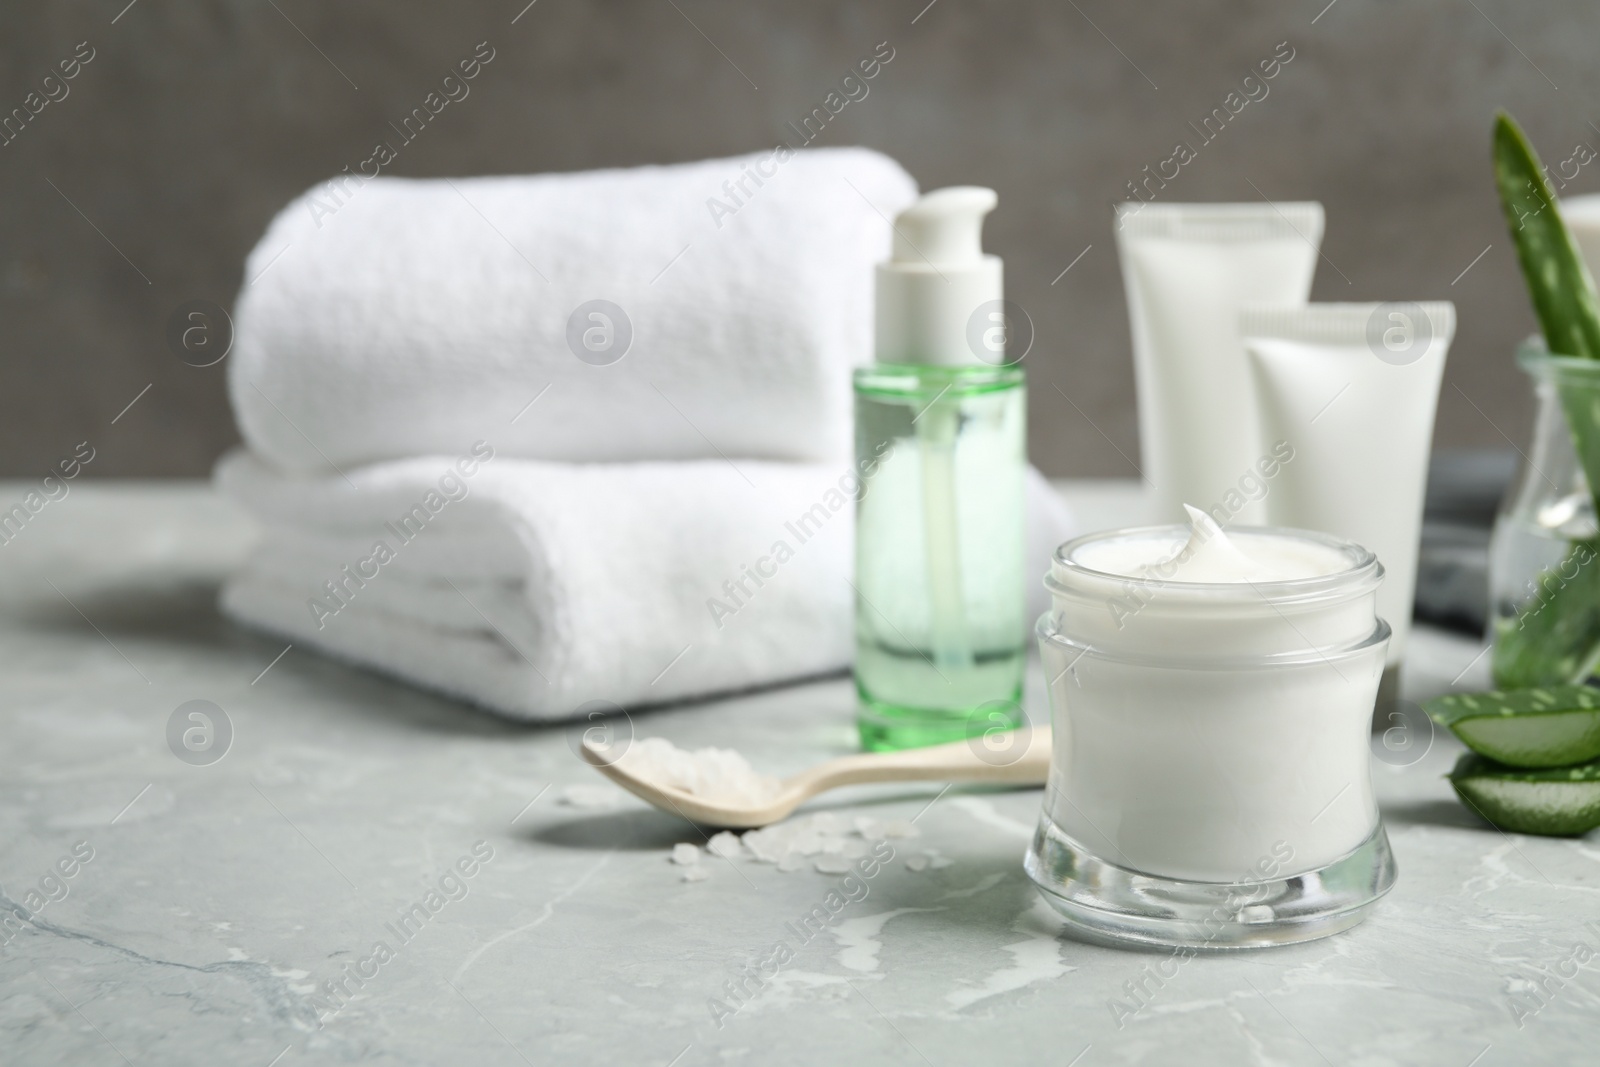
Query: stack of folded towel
x=538, y=442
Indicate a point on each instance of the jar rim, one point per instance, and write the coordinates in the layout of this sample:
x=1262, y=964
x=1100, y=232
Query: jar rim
x=1536, y=359
x=1364, y=566
x=1047, y=630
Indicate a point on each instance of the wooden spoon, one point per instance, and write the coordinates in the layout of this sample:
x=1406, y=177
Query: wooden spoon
x=1023, y=760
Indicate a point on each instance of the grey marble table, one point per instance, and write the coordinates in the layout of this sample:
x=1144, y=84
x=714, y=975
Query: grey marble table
x=209, y=907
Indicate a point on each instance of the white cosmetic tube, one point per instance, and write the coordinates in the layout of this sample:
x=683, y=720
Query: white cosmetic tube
x=1352, y=388
x=1187, y=269
x=1582, y=216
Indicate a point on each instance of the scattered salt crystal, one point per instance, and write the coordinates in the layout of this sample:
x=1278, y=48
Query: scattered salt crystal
x=825, y=841
x=718, y=775
x=810, y=843
x=765, y=847
x=826, y=822
x=590, y=796
x=726, y=844
x=696, y=873
x=685, y=854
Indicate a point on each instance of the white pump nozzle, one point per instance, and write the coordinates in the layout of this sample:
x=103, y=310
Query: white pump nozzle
x=945, y=227
x=937, y=277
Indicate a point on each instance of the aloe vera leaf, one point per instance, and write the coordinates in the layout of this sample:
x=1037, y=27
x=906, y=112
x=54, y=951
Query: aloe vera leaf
x=1580, y=404
x=1555, y=638
x=1550, y=727
x=1563, y=293
x=1559, y=801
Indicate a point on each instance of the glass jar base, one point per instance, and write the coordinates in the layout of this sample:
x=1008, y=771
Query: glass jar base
x=1109, y=904
x=892, y=727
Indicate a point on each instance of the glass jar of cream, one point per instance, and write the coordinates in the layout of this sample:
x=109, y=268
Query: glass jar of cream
x=1212, y=696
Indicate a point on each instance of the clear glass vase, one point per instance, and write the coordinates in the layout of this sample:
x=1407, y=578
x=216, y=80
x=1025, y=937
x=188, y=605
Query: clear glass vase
x=1544, y=582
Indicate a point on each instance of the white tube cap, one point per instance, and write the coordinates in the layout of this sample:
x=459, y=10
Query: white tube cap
x=937, y=279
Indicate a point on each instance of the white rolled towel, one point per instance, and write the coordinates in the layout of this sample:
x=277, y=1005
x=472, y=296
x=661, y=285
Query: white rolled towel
x=393, y=317
x=534, y=588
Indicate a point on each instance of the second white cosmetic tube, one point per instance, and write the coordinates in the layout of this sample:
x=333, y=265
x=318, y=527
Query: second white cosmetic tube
x=1353, y=388
x=1187, y=269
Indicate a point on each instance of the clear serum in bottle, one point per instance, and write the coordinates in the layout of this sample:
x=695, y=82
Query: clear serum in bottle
x=940, y=429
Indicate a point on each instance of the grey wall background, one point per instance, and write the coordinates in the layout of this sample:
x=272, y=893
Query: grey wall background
x=196, y=120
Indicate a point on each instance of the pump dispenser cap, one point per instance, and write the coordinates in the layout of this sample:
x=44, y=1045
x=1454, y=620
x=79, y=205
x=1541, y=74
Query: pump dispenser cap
x=936, y=280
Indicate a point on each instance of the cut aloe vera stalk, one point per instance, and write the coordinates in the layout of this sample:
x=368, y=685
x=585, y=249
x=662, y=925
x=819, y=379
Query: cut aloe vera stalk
x=1550, y=727
x=1555, y=801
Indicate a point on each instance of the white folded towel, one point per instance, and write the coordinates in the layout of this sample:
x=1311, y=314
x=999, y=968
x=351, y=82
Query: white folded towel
x=534, y=588
x=395, y=317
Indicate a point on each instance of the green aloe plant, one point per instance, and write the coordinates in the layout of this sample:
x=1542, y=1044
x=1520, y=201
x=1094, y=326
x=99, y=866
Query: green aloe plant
x=1558, y=639
x=1533, y=767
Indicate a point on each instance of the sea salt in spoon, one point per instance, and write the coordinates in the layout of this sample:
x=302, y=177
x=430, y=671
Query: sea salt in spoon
x=1018, y=758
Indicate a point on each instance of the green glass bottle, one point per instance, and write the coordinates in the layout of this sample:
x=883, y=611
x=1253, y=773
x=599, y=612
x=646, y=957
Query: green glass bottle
x=941, y=628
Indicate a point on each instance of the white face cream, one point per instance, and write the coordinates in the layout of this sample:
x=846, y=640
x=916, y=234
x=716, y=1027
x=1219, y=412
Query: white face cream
x=1207, y=555
x=1212, y=694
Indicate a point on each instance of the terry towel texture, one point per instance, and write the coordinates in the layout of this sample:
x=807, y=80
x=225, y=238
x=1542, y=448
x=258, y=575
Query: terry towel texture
x=397, y=317
x=533, y=588
x=542, y=585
